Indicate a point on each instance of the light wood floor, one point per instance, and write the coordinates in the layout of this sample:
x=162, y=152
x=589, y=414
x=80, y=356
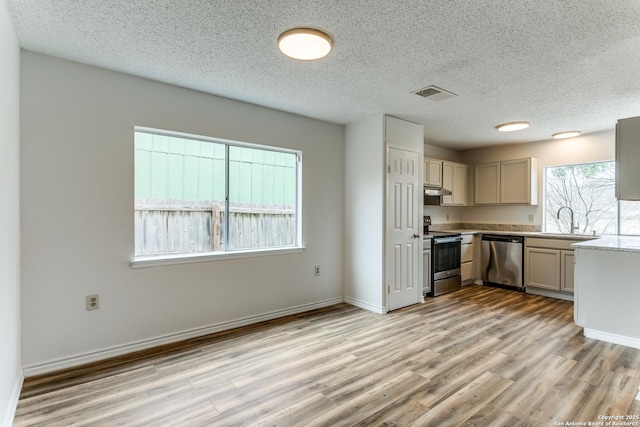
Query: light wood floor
x=480, y=356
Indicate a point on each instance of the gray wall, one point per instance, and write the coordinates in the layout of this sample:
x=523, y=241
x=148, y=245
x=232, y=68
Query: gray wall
x=10, y=367
x=77, y=217
x=364, y=213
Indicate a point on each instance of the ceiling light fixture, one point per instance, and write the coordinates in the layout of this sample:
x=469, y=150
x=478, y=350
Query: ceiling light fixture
x=566, y=134
x=512, y=126
x=305, y=44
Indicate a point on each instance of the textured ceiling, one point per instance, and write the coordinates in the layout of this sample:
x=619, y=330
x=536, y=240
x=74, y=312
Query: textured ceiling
x=559, y=64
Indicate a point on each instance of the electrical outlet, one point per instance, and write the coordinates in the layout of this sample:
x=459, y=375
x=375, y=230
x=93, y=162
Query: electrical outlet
x=447, y=217
x=316, y=270
x=93, y=302
x=530, y=219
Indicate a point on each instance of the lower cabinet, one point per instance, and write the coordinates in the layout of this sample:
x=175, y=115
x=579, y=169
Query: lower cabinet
x=543, y=268
x=567, y=264
x=426, y=271
x=549, y=264
x=466, y=258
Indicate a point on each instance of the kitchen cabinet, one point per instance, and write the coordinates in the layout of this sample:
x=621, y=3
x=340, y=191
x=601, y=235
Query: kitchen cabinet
x=487, y=184
x=454, y=178
x=426, y=268
x=511, y=182
x=543, y=268
x=432, y=172
x=567, y=264
x=607, y=291
x=466, y=258
x=519, y=181
x=549, y=265
x=627, y=159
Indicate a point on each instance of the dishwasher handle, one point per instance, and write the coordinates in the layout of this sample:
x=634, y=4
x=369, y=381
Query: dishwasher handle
x=502, y=238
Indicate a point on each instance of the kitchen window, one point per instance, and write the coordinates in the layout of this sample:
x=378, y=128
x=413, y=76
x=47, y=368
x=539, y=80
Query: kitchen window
x=589, y=190
x=197, y=195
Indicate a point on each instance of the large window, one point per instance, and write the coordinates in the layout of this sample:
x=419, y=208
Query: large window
x=185, y=186
x=589, y=190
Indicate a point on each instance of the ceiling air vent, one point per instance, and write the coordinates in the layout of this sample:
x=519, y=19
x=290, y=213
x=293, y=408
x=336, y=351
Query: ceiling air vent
x=434, y=93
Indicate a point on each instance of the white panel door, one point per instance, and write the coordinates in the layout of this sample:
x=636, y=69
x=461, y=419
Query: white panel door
x=403, y=253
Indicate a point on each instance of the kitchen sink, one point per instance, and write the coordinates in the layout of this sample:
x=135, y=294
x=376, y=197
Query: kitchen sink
x=570, y=236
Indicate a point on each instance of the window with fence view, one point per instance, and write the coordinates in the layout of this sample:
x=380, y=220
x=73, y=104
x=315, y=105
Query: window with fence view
x=185, y=186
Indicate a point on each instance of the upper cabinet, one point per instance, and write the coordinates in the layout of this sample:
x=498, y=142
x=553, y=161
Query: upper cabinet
x=519, y=181
x=512, y=182
x=487, y=184
x=432, y=172
x=454, y=178
x=627, y=158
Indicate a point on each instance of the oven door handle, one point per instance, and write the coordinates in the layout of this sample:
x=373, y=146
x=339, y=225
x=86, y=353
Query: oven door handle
x=437, y=240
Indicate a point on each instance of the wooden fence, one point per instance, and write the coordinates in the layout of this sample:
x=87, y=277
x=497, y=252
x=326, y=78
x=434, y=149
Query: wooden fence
x=180, y=228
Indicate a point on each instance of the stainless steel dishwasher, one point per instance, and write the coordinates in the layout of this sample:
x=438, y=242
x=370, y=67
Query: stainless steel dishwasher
x=501, y=261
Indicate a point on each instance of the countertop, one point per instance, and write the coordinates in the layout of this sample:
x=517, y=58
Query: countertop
x=582, y=237
x=587, y=241
x=612, y=243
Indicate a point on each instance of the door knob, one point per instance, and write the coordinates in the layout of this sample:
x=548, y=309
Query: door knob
x=416, y=235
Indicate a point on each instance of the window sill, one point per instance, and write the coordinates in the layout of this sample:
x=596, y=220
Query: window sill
x=173, y=259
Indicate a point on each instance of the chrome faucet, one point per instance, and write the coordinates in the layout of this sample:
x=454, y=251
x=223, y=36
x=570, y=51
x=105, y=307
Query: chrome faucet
x=571, y=212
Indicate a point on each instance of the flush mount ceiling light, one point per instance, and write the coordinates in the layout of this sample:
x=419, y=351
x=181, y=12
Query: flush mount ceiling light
x=566, y=134
x=305, y=44
x=512, y=126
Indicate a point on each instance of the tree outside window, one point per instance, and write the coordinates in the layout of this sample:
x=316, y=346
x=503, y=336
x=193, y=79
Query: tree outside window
x=589, y=190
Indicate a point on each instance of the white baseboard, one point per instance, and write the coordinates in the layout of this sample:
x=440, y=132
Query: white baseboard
x=612, y=338
x=365, y=305
x=12, y=404
x=94, y=356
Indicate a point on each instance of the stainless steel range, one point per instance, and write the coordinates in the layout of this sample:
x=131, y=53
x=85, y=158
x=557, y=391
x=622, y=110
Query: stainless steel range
x=445, y=261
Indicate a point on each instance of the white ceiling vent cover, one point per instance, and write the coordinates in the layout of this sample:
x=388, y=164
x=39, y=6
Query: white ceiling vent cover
x=435, y=93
